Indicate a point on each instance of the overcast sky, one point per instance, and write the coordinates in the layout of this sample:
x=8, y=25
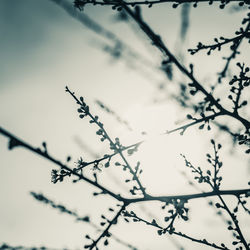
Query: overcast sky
x=42, y=50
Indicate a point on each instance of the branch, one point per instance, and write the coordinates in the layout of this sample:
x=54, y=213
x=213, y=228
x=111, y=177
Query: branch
x=85, y=219
x=158, y=43
x=196, y=121
x=81, y=3
x=187, y=197
x=236, y=223
x=118, y=197
x=106, y=233
x=115, y=146
x=214, y=181
x=222, y=74
x=235, y=40
x=15, y=142
x=162, y=230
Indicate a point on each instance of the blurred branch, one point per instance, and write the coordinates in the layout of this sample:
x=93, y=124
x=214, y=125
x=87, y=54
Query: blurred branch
x=114, y=114
x=97, y=28
x=5, y=246
x=85, y=219
x=185, y=10
x=209, y=108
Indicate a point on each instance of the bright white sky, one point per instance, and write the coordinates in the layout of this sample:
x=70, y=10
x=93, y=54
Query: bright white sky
x=43, y=49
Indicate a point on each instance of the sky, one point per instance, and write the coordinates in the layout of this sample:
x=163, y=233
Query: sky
x=43, y=49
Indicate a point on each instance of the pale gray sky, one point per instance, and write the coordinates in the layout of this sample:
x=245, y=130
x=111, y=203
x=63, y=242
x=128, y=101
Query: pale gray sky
x=43, y=49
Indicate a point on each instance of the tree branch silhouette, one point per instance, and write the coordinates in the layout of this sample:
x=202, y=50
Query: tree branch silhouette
x=208, y=109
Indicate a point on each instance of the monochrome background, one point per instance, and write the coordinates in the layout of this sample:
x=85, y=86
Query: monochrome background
x=43, y=49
